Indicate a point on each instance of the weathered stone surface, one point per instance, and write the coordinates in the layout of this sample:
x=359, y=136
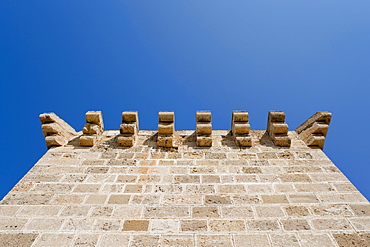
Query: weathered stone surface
x=221, y=195
x=17, y=239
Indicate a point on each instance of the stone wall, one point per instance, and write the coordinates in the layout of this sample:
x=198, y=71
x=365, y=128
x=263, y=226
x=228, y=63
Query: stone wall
x=223, y=194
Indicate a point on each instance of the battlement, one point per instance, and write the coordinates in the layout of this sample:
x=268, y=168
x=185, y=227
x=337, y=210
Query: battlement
x=58, y=133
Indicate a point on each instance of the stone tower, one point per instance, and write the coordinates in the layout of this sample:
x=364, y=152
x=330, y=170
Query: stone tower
x=206, y=187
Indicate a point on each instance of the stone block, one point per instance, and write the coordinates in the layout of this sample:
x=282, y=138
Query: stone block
x=296, y=211
x=92, y=129
x=295, y=225
x=145, y=240
x=316, y=240
x=178, y=240
x=114, y=240
x=204, y=141
x=205, y=212
x=130, y=116
x=256, y=240
x=361, y=209
x=360, y=224
x=227, y=225
x=167, y=212
x=135, y=225
x=126, y=141
x=263, y=225
x=119, y=199
x=54, y=240
x=217, y=199
x=214, y=240
x=203, y=116
x=331, y=224
x=107, y=225
x=165, y=141
x=165, y=225
x=17, y=239
x=78, y=224
x=166, y=116
x=239, y=212
x=128, y=128
x=204, y=129
x=269, y=211
x=87, y=141
x=55, y=141
x=86, y=240
x=351, y=239
x=282, y=240
x=166, y=128
x=193, y=225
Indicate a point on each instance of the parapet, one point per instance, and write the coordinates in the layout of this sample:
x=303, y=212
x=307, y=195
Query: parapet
x=312, y=132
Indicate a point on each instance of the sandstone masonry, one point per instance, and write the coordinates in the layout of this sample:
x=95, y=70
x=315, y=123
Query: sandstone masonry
x=206, y=187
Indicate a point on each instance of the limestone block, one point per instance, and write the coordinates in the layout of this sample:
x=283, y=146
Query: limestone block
x=95, y=117
x=87, y=140
x=314, y=130
x=165, y=141
x=277, y=129
x=166, y=128
x=92, y=129
x=203, y=129
x=204, y=141
x=126, y=141
x=55, y=141
x=130, y=116
x=128, y=129
x=55, y=130
x=166, y=116
x=240, y=128
x=203, y=116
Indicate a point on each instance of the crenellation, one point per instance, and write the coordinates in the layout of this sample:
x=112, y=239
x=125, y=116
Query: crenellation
x=203, y=128
x=240, y=128
x=277, y=129
x=166, y=129
x=128, y=129
x=93, y=128
x=150, y=194
x=55, y=130
x=314, y=130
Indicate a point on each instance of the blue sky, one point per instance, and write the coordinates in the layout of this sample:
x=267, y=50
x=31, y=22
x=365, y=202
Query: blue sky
x=69, y=57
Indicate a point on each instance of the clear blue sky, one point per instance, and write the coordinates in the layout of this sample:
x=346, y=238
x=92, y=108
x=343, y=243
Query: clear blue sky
x=69, y=57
